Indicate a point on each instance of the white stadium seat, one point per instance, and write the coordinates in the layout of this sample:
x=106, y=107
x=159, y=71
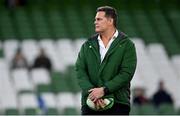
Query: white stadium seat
x=30, y=49
x=40, y=76
x=50, y=100
x=8, y=96
x=28, y=101
x=10, y=46
x=22, y=81
x=65, y=100
x=66, y=49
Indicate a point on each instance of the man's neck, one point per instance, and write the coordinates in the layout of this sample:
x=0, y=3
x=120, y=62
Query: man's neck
x=107, y=35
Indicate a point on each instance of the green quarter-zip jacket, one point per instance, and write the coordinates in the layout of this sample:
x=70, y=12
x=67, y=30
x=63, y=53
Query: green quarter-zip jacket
x=114, y=72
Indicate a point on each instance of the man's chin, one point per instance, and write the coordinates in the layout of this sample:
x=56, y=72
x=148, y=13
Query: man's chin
x=97, y=31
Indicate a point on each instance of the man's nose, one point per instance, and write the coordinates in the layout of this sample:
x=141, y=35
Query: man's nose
x=95, y=22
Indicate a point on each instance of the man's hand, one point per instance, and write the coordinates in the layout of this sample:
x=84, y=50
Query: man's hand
x=99, y=104
x=96, y=93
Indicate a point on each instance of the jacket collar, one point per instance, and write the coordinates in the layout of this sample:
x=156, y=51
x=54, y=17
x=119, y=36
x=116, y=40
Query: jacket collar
x=94, y=40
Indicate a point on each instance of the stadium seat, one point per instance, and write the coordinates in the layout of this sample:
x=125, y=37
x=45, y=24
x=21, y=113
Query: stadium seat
x=39, y=23
x=144, y=27
x=41, y=79
x=137, y=81
x=70, y=111
x=23, y=25
x=166, y=109
x=50, y=103
x=66, y=103
x=4, y=66
x=48, y=45
x=78, y=102
x=59, y=83
x=9, y=103
x=28, y=104
x=176, y=63
x=77, y=44
x=8, y=96
x=174, y=17
x=70, y=78
x=175, y=60
x=51, y=51
x=145, y=69
x=10, y=46
x=1, y=50
x=165, y=32
x=65, y=49
x=7, y=27
x=147, y=109
x=178, y=111
x=58, y=23
x=21, y=81
x=75, y=22
x=88, y=20
x=164, y=67
x=127, y=24
x=135, y=110
x=27, y=46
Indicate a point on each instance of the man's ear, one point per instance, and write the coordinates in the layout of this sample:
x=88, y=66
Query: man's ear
x=110, y=20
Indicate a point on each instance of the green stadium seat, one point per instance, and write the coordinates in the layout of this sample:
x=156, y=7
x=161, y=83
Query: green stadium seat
x=71, y=79
x=135, y=110
x=56, y=20
x=174, y=17
x=144, y=26
x=11, y=112
x=70, y=111
x=164, y=31
x=178, y=111
x=166, y=109
x=126, y=24
x=40, y=24
x=6, y=25
x=74, y=23
x=1, y=50
x=88, y=19
x=147, y=109
x=23, y=25
x=59, y=83
x=31, y=111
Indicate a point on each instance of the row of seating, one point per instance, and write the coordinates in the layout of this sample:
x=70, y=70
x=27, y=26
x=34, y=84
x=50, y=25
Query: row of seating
x=149, y=109
x=155, y=65
x=37, y=92
x=153, y=25
x=62, y=52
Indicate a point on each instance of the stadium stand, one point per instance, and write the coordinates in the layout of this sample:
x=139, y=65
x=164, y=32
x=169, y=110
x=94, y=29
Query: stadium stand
x=60, y=28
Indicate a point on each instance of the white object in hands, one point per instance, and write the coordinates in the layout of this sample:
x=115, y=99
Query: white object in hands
x=108, y=101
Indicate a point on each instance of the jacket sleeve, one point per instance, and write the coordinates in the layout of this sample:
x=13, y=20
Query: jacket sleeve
x=81, y=71
x=126, y=71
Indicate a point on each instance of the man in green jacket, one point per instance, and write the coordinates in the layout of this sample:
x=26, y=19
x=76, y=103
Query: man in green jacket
x=105, y=66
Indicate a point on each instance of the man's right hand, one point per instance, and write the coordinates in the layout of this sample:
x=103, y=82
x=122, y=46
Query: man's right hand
x=99, y=104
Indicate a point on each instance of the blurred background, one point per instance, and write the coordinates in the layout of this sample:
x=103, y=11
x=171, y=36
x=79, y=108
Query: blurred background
x=39, y=44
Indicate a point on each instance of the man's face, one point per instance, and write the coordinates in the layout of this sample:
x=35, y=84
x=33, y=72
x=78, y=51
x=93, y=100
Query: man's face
x=101, y=22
